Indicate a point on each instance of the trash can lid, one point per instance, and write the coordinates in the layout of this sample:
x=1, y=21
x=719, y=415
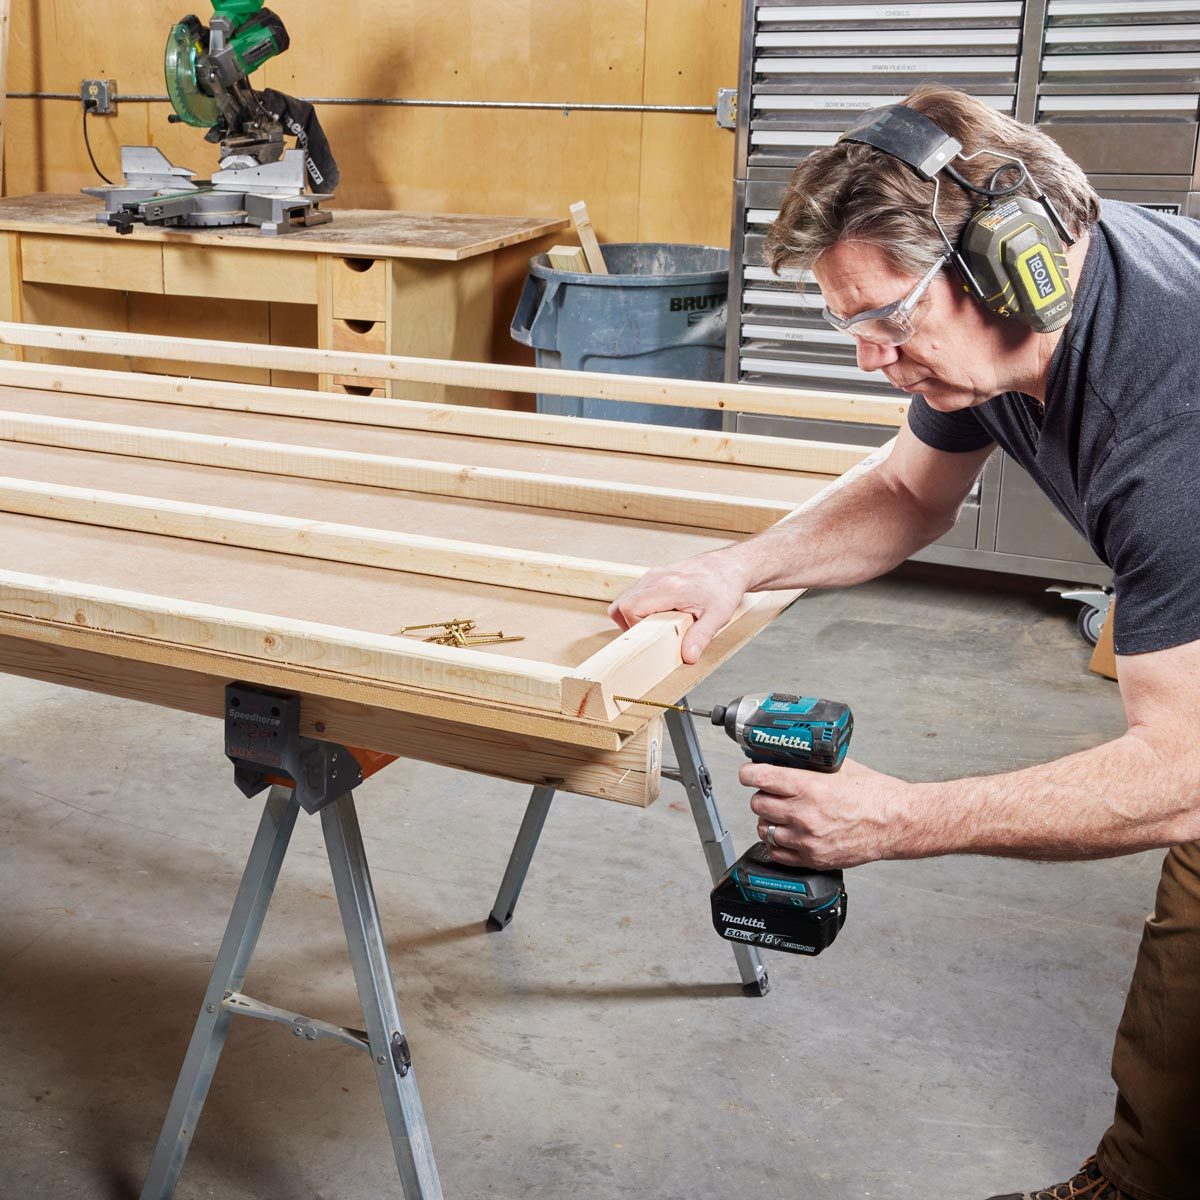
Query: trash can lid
x=645, y=264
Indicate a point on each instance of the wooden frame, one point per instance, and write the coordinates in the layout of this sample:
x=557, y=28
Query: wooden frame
x=62, y=428
x=629, y=774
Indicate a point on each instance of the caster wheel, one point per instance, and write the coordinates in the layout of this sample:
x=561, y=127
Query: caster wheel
x=1089, y=623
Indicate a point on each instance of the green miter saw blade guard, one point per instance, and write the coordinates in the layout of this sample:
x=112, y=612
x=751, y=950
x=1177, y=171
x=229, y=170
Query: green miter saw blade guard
x=194, y=105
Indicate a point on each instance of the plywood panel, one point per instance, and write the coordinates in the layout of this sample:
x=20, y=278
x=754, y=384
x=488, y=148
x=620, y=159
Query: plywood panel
x=46, y=304
x=56, y=43
x=467, y=50
x=44, y=151
x=488, y=160
x=686, y=190
x=199, y=315
x=292, y=325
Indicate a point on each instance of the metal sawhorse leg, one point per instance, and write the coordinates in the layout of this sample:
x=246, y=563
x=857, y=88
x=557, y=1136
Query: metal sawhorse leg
x=383, y=1038
x=714, y=837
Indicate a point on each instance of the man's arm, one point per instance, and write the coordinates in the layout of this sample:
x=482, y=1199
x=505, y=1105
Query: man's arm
x=868, y=527
x=859, y=532
x=1139, y=791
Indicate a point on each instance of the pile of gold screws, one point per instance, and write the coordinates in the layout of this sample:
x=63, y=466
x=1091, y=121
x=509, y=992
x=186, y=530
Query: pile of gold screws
x=460, y=632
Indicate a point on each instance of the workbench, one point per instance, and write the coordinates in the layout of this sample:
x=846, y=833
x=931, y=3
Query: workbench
x=380, y=282
x=210, y=546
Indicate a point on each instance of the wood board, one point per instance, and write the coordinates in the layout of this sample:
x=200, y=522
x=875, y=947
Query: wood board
x=126, y=545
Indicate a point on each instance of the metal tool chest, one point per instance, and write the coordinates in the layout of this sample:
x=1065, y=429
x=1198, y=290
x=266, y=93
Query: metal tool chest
x=1115, y=82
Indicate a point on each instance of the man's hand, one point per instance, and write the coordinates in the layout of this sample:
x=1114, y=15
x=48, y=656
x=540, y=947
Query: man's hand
x=709, y=587
x=825, y=821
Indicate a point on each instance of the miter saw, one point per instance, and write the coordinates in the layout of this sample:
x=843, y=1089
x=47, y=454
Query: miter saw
x=260, y=181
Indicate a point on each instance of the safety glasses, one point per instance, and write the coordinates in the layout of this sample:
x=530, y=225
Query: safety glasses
x=892, y=324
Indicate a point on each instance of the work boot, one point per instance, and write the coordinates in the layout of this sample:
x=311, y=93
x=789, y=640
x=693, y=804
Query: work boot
x=1089, y=1184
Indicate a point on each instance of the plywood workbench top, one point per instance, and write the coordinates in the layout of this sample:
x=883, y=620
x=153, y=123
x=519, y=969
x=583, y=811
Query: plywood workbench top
x=366, y=232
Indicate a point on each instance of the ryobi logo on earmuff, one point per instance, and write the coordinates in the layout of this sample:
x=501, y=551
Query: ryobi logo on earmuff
x=1044, y=283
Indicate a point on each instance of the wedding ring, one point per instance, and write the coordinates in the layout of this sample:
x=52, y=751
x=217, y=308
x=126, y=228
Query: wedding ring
x=771, y=836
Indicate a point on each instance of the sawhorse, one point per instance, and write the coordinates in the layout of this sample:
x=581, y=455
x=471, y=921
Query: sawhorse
x=303, y=774
x=693, y=773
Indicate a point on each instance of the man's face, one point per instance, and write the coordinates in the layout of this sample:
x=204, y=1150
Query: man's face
x=959, y=356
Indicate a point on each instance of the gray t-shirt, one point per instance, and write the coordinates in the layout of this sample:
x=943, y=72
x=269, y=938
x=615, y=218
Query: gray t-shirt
x=1118, y=446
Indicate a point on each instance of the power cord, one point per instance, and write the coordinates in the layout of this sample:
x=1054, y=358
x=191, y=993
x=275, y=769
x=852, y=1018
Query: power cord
x=88, y=105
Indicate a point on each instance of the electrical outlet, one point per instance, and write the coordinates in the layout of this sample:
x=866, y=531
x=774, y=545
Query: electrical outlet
x=99, y=96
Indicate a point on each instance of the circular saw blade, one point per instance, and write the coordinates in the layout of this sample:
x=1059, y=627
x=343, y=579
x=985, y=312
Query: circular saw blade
x=184, y=46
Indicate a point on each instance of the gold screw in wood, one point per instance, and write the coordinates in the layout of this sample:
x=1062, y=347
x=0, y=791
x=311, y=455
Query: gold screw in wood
x=651, y=703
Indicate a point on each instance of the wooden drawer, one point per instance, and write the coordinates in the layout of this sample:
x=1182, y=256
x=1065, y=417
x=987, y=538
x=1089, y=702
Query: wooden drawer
x=359, y=288
x=352, y=385
x=123, y=264
x=360, y=337
x=236, y=273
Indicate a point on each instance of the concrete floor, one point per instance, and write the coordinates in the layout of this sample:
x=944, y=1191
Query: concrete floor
x=953, y=1043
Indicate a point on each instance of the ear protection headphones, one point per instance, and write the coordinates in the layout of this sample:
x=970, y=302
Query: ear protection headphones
x=1010, y=254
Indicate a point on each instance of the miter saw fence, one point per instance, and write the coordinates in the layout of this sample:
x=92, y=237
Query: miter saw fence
x=260, y=182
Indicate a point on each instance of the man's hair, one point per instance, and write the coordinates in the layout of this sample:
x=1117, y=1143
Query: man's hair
x=850, y=192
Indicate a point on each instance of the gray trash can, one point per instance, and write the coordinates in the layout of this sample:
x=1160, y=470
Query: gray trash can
x=661, y=311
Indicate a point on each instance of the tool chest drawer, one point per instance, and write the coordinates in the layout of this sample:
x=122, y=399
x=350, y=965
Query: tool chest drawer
x=1143, y=142
x=812, y=67
x=785, y=127
x=1119, y=84
x=1118, y=42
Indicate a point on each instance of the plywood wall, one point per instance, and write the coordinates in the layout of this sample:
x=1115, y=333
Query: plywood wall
x=646, y=177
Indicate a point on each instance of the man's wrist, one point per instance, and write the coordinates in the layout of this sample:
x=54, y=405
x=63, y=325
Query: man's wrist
x=739, y=566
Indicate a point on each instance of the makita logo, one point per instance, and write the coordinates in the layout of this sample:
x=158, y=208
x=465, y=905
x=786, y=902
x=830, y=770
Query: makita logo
x=1042, y=279
x=780, y=739
x=752, y=922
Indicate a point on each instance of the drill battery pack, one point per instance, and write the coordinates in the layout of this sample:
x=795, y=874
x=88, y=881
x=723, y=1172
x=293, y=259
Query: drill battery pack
x=778, y=908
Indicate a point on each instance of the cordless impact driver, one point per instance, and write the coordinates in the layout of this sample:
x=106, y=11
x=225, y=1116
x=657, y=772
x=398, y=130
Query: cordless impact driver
x=758, y=901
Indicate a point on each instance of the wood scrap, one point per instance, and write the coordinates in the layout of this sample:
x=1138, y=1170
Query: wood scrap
x=587, y=238
x=568, y=258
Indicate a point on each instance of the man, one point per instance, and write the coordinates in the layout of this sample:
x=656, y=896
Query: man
x=1104, y=413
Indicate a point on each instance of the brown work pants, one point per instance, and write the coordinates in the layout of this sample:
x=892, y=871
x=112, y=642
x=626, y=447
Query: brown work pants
x=1152, y=1149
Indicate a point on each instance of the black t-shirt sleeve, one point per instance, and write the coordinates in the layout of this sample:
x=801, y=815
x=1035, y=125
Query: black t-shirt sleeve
x=1150, y=529
x=956, y=432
